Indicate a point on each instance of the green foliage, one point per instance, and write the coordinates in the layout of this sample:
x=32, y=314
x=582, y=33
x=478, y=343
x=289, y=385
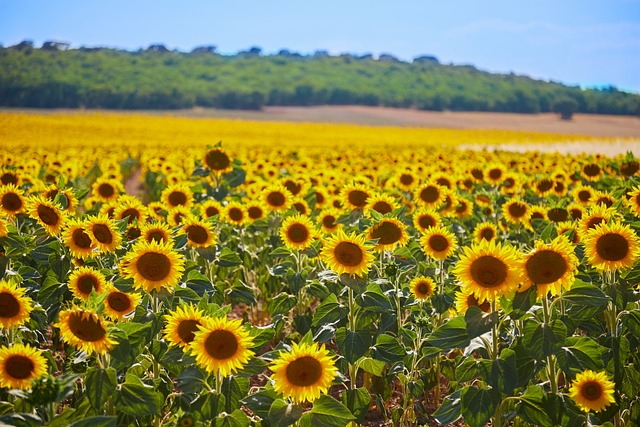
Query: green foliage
x=163, y=79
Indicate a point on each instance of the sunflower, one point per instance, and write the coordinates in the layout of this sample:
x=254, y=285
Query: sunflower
x=153, y=265
x=568, y=228
x=355, y=196
x=297, y=187
x=76, y=237
x=321, y=197
x=276, y=197
x=390, y=233
x=510, y=184
x=612, y=246
x=132, y=208
x=85, y=280
x=157, y=211
x=182, y=324
x=347, y=253
x=495, y=173
x=538, y=212
x=10, y=177
x=106, y=189
x=4, y=229
x=425, y=218
x=583, y=194
x=211, y=208
x=465, y=299
x=560, y=189
x=158, y=231
x=485, y=231
x=328, y=220
x=199, y=233
x=47, y=214
x=603, y=198
x=544, y=186
x=558, y=214
x=235, y=213
x=118, y=304
x=463, y=209
x=177, y=215
x=449, y=205
x=301, y=206
x=303, y=373
x=430, y=195
x=551, y=267
x=71, y=201
x=218, y=161
x=177, y=195
x=255, y=211
x=477, y=174
x=221, y=345
x=422, y=287
x=85, y=330
x=438, y=243
x=406, y=180
x=515, y=211
x=104, y=233
x=597, y=215
x=15, y=305
x=629, y=168
x=298, y=232
x=381, y=203
x=488, y=269
x=591, y=172
x=20, y=364
x=11, y=200
x=592, y=391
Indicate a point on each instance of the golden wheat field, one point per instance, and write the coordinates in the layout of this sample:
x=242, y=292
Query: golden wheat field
x=176, y=271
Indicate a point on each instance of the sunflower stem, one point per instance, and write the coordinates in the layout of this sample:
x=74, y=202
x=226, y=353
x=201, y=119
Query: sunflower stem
x=497, y=417
x=353, y=368
x=551, y=361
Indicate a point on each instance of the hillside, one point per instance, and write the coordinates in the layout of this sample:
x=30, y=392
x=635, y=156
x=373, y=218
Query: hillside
x=156, y=78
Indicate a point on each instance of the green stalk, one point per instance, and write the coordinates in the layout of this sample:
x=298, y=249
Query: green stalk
x=497, y=417
x=353, y=368
x=551, y=361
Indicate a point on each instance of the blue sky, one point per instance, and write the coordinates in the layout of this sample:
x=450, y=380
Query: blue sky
x=588, y=42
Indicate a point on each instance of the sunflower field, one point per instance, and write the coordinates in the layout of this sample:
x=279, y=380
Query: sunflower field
x=311, y=275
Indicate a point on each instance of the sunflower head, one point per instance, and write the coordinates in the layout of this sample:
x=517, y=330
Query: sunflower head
x=15, y=305
x=104, y=233
x=177, y=195
x=328, y=220
x=298, y=232
x=85, y=330
x=11, y=200
x=106, y=189
x=221, y=345
x=118, y=304
x=277, y=198
x=47, y=214
x=390, y=233
x=612, y=246
x=592, y=391
x=347, y=254
x=218, y=161
x=211, y=208
x=355, y=196
x=466, y=299
x=422, y=287
x=85, y=280
x=515, y=211
x=78, y=239
x=235, y=213
x=182, y=324
x=430, y=195
x=381, y=203
x=20, y=365
x=199, y=233
x=303, y=373
x=485, y=231
x=425, y=218
x=153, y=265
x=438, y=243
x=551, y=267
x=131, y=208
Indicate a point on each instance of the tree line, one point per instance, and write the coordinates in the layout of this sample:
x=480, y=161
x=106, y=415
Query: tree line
x=54, y=76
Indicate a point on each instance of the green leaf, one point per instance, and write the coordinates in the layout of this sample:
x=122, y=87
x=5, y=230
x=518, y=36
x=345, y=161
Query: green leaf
x=388, y=349
x=452, y=334
x=327, y=412
x=585, y=294
x=281, y=252
x=504, y=372
x=261, y=335
x=100, y=383
x=329, y=311
x=282, y=303
x=450, y=410
x=357, y=401
x=531, y=407
x=374, y=300
x=631, y=320
x=523, y=301
x=544, y=340
x=235, y=419
x=372, y=366
x=198, y=282
x=579, y=354
x=228, y=258
x=137, y=398
x=100, y=421
x=353, y=344
x=479, y=405
x=235, y=178
x=234, y=388
x=260, y=403
x=478, y=322
x=358, y=284
x=283, y=414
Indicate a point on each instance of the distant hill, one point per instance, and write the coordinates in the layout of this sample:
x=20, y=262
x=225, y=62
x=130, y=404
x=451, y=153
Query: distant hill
x=157, y=78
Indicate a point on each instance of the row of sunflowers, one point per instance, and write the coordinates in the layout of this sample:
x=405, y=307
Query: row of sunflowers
x=305, y=286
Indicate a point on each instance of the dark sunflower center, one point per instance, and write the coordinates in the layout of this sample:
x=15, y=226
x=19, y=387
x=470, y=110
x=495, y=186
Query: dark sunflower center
x=592, y=390
x=477, y=174
x=298, y=233
x=488, y=271
x=212, y=211
x=81, y=239
x=12, y=202
x=406, y=179
x=86, y=329
x=349, y=254
x=593, y=222
x=473, y=301
x=9, y=305
x=329, y=221
x=217, y=160
x=461, y=208
x=119, y=302
x=558, y=214
x=177, y=198
x=106, y=190
x=487, y=234
x=132, y=213
x=158, y=236
x=495, y=174
x=424, y=288
x=591, y=170
x=430, y=194
x=87, y=283
x=584, y=195
x=19, y=367
x=276, y=199
x=438, y=243
x=133, y=233
x=382, y=207
x=236, y=214
x=545, y=185
x=319, y=198
x=612, y=247
x=9, y=178
x=629, y=168
x=48, y=215
x=254, y=212
x=508, y=183
x=358, y=198
x=187, y=329
x=102, y=233
x=426, y=221
x=607, y=201
x=517, y=210
x=444, y=182
x=575, y=213
x=221, y=344
x=387, y=233
x=559, y=187
x=154, y=266
x=293, y=187
x=197, y=234
x=300, y=207
x=546, y=266
x=304, y=371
